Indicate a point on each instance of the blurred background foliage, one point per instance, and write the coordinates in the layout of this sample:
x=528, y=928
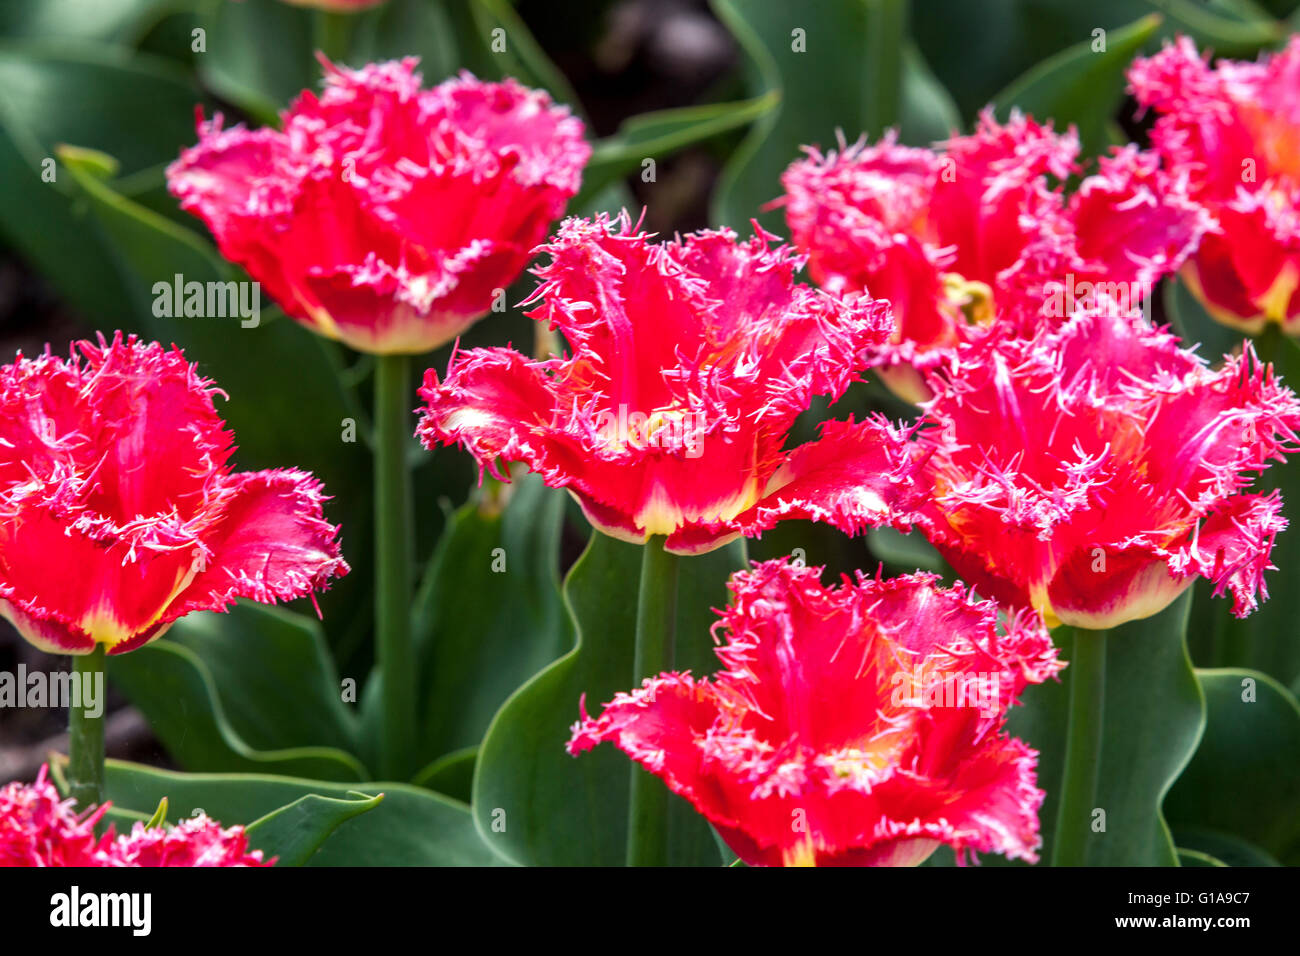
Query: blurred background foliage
x=98, y=96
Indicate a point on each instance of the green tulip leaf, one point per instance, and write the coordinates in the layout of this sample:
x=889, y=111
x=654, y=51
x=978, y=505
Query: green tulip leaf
x=1244, y=781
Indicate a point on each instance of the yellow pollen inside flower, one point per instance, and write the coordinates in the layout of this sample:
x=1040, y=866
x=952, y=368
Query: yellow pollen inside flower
x=974, y=299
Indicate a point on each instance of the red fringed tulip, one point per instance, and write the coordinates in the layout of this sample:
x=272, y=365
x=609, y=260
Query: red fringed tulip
x=691, y=361
x=39, y=828
x=383, y=215
x=1235, y=130
x=858, y=725
x=959, y=239
x=197, y=841
x=119, y=512
x=1094, y=471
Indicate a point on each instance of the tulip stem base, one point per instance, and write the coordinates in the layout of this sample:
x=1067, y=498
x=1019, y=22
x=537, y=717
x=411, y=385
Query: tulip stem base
x=86, y=735
x=1078, y=792
x=656, y=625
x=394, y=559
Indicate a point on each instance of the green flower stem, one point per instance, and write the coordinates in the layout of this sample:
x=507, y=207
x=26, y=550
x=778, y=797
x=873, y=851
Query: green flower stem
x=886, y=36
x=394, y=550
x=656, y=622
x=332, y=33
x=86, y=735
x=1078, y=793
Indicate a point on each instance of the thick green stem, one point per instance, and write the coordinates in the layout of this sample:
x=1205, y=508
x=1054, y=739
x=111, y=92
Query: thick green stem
x=656, y=622
x=331, y=35
x=886, y=35
x=1078, y=793
x=86, y=733
x=394, y=551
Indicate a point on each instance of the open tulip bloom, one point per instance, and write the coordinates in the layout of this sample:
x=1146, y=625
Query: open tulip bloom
x=384, y=215
x=1094, y=471
x=120, y=512
x=1235, y=130
x=858, y=725
x=981, y=234
x=691, y=360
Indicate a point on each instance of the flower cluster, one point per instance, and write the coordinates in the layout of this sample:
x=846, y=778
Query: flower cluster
x=1073, y=462
x=385, y=215
x=39, y=828
x=811, y=745
x=1235, y=131
x=691, y=360
x=115, y=463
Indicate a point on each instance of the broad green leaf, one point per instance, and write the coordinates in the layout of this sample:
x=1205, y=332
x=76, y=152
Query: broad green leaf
x=1080, y=85
x=58, y=92
x=260, y=55
x=1229, y=849
x=122, y=21
x=265, y=670
x=820, y=77
x=489, y=614
x=175, y=690
x=1188, y=857
x=293, y=833
x=451, y=774
x=1153, y=720
x=86, y=95
x=1244, y=781
x=410, y=827
x=552, y=809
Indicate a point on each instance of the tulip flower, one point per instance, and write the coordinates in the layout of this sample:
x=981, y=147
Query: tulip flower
x=1095, y=471
x=859, y=725
x=120, y=512
x=115, y=463
x=39, y=828
x=691, y=360
x=1235, y=129
x=981, y=234
x=384, y=215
